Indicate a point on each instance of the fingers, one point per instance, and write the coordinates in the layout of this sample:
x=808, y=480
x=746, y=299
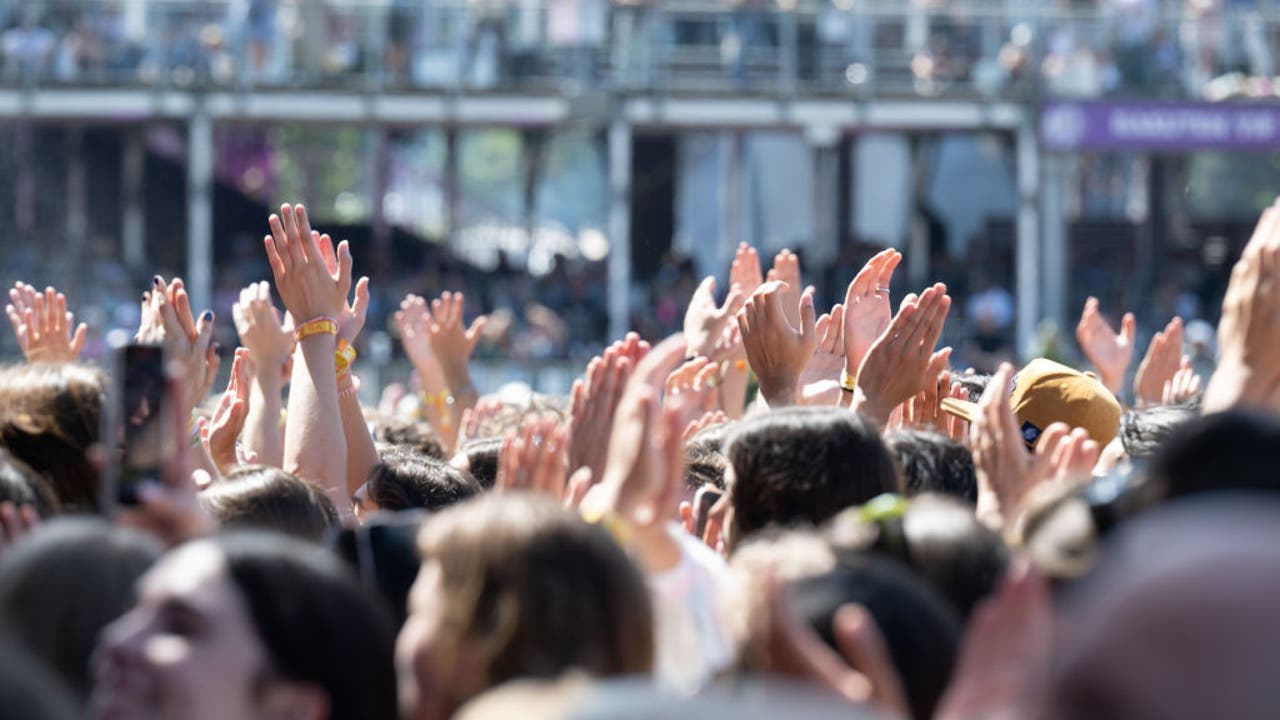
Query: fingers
x=1129, y=327
x=808, y=317
x=360, y=308
x=309, y=250
x=345, y=263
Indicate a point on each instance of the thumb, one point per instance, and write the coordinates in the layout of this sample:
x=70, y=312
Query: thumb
x=808, y=316
x=1129, y=327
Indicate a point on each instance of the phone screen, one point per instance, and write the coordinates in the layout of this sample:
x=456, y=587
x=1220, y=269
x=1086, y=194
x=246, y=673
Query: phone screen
x=140, y=424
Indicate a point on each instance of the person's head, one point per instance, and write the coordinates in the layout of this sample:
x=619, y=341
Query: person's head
x=415, y=435
x=937, y=536
x=1143, y=432
x=247, y=625
x=63, y=584
x=383, y=550
x=934, y=463
x=480, y=458
x=1178, y=620
x=801, y=466
x=921, y=631
x=407, y=480
x=50, y=415
x=704, y=459
x=271, y=499
x=1235, y=450
x=21, y=485
x=1045, y=392
x=29, y=691
x=515, y=586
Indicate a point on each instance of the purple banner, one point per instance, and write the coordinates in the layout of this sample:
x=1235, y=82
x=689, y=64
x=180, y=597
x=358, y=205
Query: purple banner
x=1136, y=125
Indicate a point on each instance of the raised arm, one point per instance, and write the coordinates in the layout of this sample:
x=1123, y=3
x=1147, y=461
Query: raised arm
x=270, y=344
x=314, y=445
x=43, y=325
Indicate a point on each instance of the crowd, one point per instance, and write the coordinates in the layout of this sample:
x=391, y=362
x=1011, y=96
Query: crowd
x=1090, y=49
x=776, y=512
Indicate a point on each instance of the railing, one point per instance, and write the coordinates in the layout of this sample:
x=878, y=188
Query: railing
x=863, y=48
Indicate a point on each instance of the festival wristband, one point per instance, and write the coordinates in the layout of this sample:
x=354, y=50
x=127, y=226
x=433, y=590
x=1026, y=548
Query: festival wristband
x=318, y=326
x=848, y=383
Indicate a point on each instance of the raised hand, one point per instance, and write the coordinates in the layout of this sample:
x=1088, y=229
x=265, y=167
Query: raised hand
x=708, y=420
x=167, y=320
x=786, y=270
x=219, y=434
x=593, y=403
x=1182, y=387
x=536, y=458
x=745, y=270
x=412, y=320
x=704, y=321
x=862, y=672
x=451, y=340
x=819, y=383
x=1248, y=372
x=351, y=318
x=268, y=341
x=308, y=286
x=315, y=294
x=43, y=326
x=867, y=311
x=1007, y=472
x=1110, y=352
x=1159, y=365
x=694, y=382
x=901, y=363
x=777, y=350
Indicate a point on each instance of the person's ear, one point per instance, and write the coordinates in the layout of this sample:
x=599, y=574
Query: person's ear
x=290, y=700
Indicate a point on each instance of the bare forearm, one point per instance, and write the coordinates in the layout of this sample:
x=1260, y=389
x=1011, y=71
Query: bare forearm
x=733, y=391
x=262, y=425
x=314, y=446
x=362, y=454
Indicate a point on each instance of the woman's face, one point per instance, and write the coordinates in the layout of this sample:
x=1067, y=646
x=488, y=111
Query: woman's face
x=187, y=648
x=433, y=682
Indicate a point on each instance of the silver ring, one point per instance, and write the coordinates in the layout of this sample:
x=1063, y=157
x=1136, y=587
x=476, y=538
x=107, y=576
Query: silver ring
x=882, y=290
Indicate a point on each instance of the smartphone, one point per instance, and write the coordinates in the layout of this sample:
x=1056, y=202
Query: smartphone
x=705, y=499
x=136, y=424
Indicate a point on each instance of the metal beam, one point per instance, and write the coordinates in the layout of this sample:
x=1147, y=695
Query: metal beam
x=619, y=228
x=199, y=279
x=1028, y=257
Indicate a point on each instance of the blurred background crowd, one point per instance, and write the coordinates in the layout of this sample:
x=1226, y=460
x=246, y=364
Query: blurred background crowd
x=519, y=212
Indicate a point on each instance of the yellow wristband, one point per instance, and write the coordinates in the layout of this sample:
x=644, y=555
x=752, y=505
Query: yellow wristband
x=344, y=357
x=617, y=527
x=848, y=383
x=318, y=326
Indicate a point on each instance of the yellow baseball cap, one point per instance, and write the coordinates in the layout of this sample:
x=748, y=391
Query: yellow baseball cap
x=1046, y=392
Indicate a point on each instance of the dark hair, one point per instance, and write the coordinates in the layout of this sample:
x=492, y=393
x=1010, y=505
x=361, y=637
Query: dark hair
x=919, y=628
x=316, y=622
x=28, y=691
x=271, y=499
x=404, y=480
x=1236, y=450
x=804, y=465
x=415, y=435
x=482, y=459
x=1142, y=432
x=383, y=551
x=704, y=458
x=50, y=415
x=67, y=581
x=932, y=462
x=21, y=485
x=544, y=590
x=973, y=383
x=940, y=539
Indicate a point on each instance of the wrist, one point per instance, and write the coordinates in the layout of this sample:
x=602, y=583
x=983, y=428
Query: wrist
x=779, y=395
